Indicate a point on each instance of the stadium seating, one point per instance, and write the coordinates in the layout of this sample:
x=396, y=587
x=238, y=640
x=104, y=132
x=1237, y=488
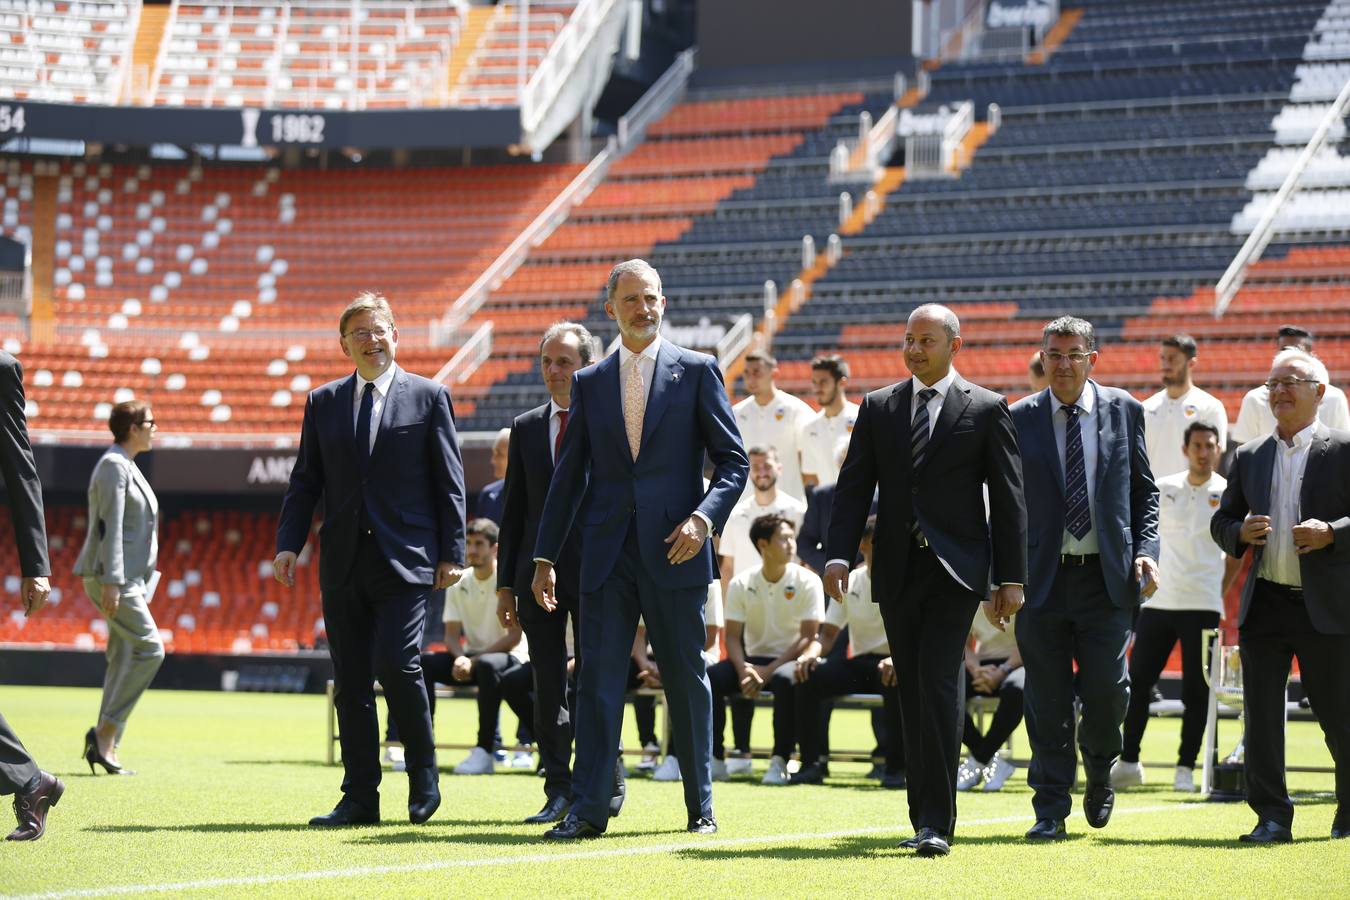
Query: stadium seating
x=492, y=73
x=65, y=51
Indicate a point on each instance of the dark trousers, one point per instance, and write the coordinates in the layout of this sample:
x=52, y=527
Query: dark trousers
x=644, y=709
x=834, y=678
x=927, y=627
x=498, y=677
x=374, y=627
x=18, y=772
x=726, y=685
x=1276, y=630
x=1007, y=716
x=1156, y=632
x=547, y=636
x=674, y=619
x=1076, y=624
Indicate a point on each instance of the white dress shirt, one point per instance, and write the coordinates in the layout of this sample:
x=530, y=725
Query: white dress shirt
x=646, y=365
x=381, y=382
x=1087, y=426
x=1279, y=562
x=554, y=426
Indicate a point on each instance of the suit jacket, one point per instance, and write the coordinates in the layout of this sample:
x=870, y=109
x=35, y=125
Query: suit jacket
x=972, y=443
x=529, y=470
x=598, y=481
x=1124, y=497
x=816, y=527
x=413, y=494
x=20, y=472
x=1325, y=495
x=488, y=504
x=122, y=543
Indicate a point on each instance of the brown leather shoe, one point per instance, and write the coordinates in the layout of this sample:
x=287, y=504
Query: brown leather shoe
x=31, y=808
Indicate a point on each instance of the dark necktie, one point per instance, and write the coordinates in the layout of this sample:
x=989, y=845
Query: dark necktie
x=1077, y=517
x=562, y=429
x=363, y=427
x=918, y=431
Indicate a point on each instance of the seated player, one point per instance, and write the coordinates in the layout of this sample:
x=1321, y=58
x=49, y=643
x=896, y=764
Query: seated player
x=867, y=671
x=773, y=612
x=993, y=669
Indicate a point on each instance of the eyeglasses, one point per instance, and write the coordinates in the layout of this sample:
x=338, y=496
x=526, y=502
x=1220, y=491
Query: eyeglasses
x=362, y=335
x=148, y=423
x=1289, y=382
x=1054, y=357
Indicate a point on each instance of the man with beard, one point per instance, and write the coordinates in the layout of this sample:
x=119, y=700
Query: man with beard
x=1179, y=405
x=773, y=418
x=820, y=435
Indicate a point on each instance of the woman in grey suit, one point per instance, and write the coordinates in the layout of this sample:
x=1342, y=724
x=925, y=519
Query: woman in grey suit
x=117, y=564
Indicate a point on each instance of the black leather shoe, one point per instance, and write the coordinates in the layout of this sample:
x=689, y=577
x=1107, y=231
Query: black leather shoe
x=910, y=843
x=931, y=844
x=1268, y=832
x=1098, y=803
x=348, y=812
x=1047, y=830
x=809, y=774
x=702, y=825
x=894, y=780
x=1340, y=831
x=620, y=789
x=555, y=810
x=31, y=807
x=424, y=794
x=573, y=828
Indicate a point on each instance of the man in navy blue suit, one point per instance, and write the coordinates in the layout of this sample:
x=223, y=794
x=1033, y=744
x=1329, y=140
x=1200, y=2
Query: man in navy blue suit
x=379, y=448
x=631, y=472
x=1092, y=550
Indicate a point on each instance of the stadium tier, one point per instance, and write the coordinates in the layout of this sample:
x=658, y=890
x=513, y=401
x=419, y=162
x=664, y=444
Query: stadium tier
x=65, y=51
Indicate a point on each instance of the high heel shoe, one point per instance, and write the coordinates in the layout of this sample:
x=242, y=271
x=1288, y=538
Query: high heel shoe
x=92, y=756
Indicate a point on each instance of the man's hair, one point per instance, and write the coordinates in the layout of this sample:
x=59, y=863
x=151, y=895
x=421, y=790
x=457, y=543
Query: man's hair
x=367, y=301
x=1071, y=326
x=1319, y=369
x=638, y=267
x=1036, y=367
x=950, y=323
x=585, y=341
x=765, y=527
x=502, y=434
x=1304, y=336
x=125, y=415
x=763, y=356
x=763, y=450
x=870, y=527
x=483, y=527
x=1198, y=426
x=832, y=363
x=1183, y=342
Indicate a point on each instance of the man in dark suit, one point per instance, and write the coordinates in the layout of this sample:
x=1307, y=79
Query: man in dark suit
x=931, y=443
x=37, y=791
x=535, y=440
x=1288, y=500
x=490, y=500
x=631, y=471
x=379, y=448
x=1092, y=517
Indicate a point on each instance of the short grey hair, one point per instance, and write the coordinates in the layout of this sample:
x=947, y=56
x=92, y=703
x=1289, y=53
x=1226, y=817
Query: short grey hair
x=585, y=340
x=950, y=323
x=1071, y=326
x=1292, y=354
x=638, y=267
x=503, y=434
x=372, y=302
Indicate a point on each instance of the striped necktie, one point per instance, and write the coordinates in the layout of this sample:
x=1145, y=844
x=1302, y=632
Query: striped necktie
x=918, y=431
x=1077, y=517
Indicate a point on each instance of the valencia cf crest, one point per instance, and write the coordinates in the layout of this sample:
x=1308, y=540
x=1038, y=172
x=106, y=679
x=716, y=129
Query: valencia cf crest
x=1189, y=411
x=789, y=592
x=1214, y=500
x=779, y=413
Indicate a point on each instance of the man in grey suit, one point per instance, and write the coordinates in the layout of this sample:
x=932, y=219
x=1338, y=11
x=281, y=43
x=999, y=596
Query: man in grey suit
x=1092, y=550
x=1288, y=501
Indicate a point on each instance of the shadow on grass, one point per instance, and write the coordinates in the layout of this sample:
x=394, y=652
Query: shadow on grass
x=423, y=835
x=855, y=847
x=316, y=763
x=1216, y=843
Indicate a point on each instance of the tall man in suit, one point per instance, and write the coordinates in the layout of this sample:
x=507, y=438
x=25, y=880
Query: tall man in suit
x=930, y=444
x=1288, y=500
x=37, y=791
x=1092, y=517
x=631, y=470
x=379, y=448
x=536, y=437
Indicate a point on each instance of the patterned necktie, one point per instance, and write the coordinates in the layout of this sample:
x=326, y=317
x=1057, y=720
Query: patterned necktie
x=1077, y=517
x=363, y=427
x=918, y=431
x=562, y=429
x=634, y=404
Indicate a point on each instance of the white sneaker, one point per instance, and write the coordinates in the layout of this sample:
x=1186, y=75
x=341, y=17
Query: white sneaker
x=719, y=770
x=479, y=762
x=1126, y=774
x=997, y=773
x=739, y=765
x=522, y=759
x=969, y=774
x=669, y=770
x=394, y=757
x=778, y=773
x=651, y=754
x=1184, y=780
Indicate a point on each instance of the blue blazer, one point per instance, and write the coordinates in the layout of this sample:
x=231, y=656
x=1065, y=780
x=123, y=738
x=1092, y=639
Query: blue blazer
x=1124, y=497
x=598, y=482
x=414, y=493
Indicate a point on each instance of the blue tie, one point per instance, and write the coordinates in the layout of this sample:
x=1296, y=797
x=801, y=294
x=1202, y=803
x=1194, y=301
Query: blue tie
x=363, y=428
x=1077, y=517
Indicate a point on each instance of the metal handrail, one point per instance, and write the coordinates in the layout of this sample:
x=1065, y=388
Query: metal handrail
x=468, y=358
x=735, y=341
x=561, y=60
x=657, y=101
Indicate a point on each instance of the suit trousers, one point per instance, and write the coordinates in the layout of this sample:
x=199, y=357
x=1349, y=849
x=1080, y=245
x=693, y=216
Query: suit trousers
x=18, y=772
x=674, y=619
x=1276, y=630
x=547, y=636
x=1156, y=632
x=1077, y=624
x=833, y=678
x=726, y=685
x=135, y=651
x=375, y=624
x=927, y=627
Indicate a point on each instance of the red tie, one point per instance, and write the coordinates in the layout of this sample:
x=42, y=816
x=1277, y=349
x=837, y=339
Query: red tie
x=557, y=442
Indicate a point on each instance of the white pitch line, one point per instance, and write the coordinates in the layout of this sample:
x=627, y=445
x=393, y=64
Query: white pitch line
x=516, y=860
